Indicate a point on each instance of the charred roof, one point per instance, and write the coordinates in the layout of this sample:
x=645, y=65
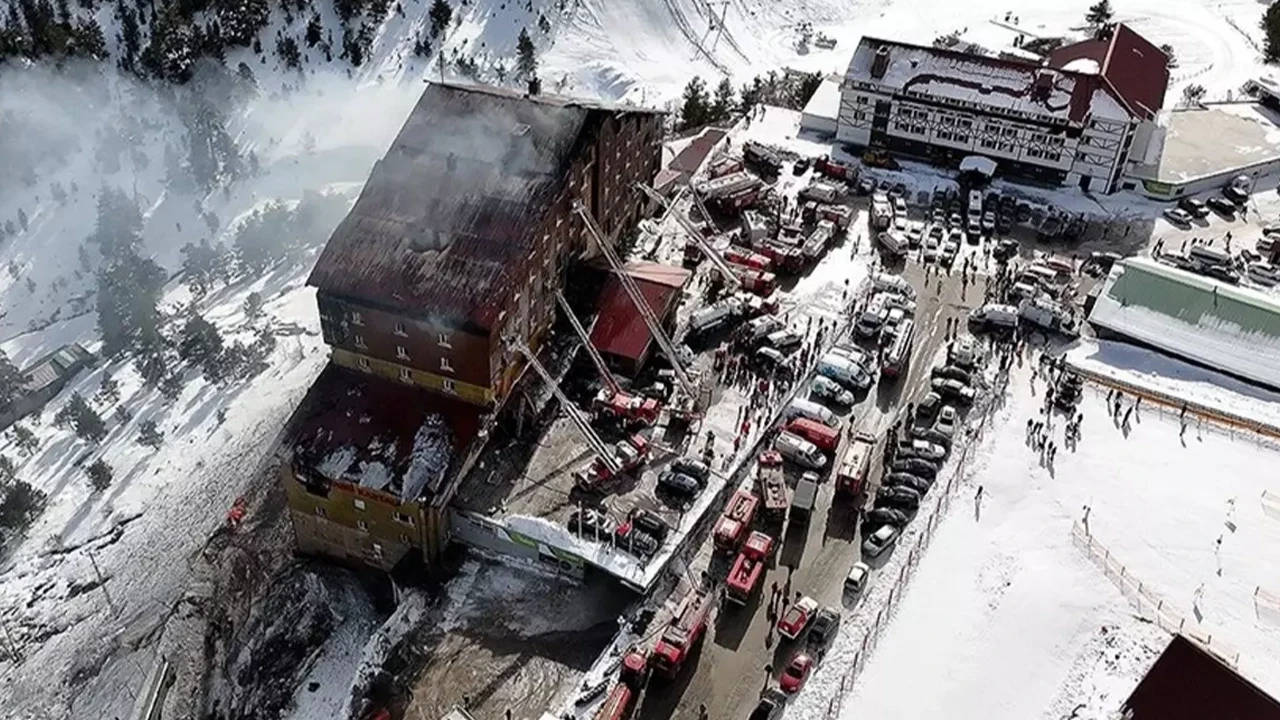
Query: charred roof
x=456, y=201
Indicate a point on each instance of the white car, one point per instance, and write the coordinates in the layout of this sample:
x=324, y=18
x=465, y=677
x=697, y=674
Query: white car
x=1178, y=216
x=1265, y=274
x=828, y=390
x=946, y=422
x=880, y=541
x=931, y=249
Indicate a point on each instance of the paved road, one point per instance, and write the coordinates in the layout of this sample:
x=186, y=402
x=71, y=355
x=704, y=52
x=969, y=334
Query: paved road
x=730, y=671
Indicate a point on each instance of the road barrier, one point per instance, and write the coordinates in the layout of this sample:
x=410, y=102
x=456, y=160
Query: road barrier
x=1142, y=597
x=1228, y=422
x=932, y=515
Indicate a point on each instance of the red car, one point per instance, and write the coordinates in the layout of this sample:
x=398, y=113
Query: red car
x=797, y=617
x=796, y=672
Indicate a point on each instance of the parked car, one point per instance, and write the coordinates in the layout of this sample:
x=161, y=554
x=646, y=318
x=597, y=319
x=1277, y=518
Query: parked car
x=928, y=408
x=932, y=435
x=797, y=617
x=917, y=466
x=988, y=222
x=772, y=700
x=1193, y=207
x=1222, y=206
x=651, y=524
x=787, y=339
x=1178, y=216
x=947, y=421
x=907, y=480
x=954, y=372
x=830, y=391
x=858, y=574
x=921, y=449
x=692, y=467
x=884, y=516
x=898, y=497
x=628, y=538
x=825, y=624
x=953, y=389
x=769, y=358
x=796, y=673
x=931, y=249
x=679, y=484
x=880, y=540
x=915, y=234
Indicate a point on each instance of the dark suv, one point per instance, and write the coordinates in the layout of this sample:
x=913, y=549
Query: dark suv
x=770, y=706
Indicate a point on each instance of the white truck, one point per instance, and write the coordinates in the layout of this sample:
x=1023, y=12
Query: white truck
x=805, y=497
x=881, y=212
x=727, y=185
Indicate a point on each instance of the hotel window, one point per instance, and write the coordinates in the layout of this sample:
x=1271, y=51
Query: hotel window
x=364, y=364
x=359, y=342
x=406, y=375
x=442, y=339
x=444, y=365
x=402, y=353
x=399, y=330
x=404, y=539
x=358, y=503
x=356, y=319
x=364, y=526
x=377, y=551
x=404, y=518
x=320, y=512
x=450, y=386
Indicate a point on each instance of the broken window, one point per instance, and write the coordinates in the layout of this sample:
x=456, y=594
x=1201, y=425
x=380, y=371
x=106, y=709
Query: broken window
x=359, y=341
x=402, y=353
x=399, y=330
x=364, y=526
x=444, y=365
x=406, y=375
x=450, y=386
x=358, y=503
x=364, y=364
x=357, y=319
x=443, y=340
x=406, y=518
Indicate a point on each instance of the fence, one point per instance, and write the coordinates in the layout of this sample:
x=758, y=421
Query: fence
x=1142, y=597
x=932, y=516
x=1220, y=420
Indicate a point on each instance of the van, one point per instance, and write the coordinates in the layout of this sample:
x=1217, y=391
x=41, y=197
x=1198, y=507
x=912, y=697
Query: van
x=796, y=449
x=995, y=316
x=857, y=577
x=1209, y=255
x=1035, y=273
x=884, y=282
x=893, y=242
x=844, y=370
x=872, y=319
x=811, y=410
x=822, y=192
x=825, y=437
x=762, y=326
x=1048, y=315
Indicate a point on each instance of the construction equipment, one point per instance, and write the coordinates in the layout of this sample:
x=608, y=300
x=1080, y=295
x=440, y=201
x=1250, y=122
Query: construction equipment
x=880, y=158
x=695, y=236
x=602, y=450
x=637, y=297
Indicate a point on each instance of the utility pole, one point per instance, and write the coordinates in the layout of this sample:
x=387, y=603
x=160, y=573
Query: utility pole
x=102, y=583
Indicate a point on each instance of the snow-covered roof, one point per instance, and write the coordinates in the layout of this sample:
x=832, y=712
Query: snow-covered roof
x=978, y=163
x=825, y=101
x=379, y=434
x=1086, y=66
x=1234, y=330
x=996, y=83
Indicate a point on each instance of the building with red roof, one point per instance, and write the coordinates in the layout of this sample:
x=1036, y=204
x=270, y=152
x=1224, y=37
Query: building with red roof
x=620, y=333
x=1080, y=119
x=1188, y=683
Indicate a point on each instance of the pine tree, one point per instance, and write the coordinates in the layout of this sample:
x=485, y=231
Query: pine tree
x=526, y=62
x=1100, y=14
x=100, y=475
x=253, y=306
x=25, y=440
x=12, y=381
x=290, y=54
x=149, y=435
x=8, y=469
x=1271, y=33
x=20, y=503
x=199, y=341
x=440, y=14
x=108, y=390
x=314, y=32
x=723, y=106
x=78, y=415
x=695, y=109
x=201, y=266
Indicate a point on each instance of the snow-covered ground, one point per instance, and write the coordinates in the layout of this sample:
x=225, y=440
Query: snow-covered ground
x=1006, y=597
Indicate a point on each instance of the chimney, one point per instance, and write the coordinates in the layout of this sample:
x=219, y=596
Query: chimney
x=451, y=162
x=535, y=85
x=880, y=63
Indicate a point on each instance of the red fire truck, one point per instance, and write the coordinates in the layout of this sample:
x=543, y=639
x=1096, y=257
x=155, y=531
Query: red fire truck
x=630, y=681
x=749, y=260
x=834, y=169
x=773, y=486
x=681, y=634
x=855, y=464
x=748, y=568
x=756, y=281
x=736, y=520
x=626, y=408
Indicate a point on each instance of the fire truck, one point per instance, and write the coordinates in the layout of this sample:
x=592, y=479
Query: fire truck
x=626, y=408
x=631, y=680
x=833, y=169
x=773, y=486
x=818, y=240
x=681, y=634
x=749, y=260
x=838, y=214
x=855, y=464
x=787, y=259
x=736, y=520
x=748, y=568
x=727, y=186
x=630, y=454
x=881, y=212
x=720, y=168
x=756, y=281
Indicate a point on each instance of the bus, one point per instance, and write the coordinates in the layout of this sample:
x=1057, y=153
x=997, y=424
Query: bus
x=899, y=354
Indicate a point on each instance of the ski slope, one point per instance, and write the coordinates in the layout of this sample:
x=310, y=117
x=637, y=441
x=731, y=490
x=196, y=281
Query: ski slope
x=1005, y=598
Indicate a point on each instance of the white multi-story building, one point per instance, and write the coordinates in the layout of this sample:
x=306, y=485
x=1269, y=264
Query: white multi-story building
x=1080, y=119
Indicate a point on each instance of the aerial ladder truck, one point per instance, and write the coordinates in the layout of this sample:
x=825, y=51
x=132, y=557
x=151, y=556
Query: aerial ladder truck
x=727, y=272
